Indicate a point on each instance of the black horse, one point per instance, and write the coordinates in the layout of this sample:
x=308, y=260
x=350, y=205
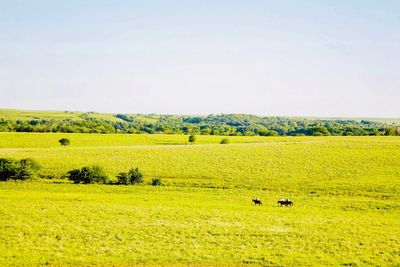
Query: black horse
x=257, y=202
x=285, y=202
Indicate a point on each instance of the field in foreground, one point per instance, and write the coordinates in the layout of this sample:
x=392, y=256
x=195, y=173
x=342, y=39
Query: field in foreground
x=345, y=190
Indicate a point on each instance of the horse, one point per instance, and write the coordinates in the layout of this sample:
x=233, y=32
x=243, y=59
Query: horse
x=285, y=202
x=257, y=202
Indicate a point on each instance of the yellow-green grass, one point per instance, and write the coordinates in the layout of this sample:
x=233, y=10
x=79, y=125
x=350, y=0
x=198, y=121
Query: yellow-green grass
x=47, y=140
x=62, y=224
x=345, y=192
x=305, y=161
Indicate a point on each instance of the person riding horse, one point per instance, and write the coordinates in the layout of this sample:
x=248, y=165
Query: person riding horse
x=286, y=202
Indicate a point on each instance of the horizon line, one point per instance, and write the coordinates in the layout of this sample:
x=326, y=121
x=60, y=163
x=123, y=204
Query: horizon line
x=202, y=115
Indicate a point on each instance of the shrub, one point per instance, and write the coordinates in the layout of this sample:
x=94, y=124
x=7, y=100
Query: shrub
x=64, y=141
x=23, y=172
x=192, y=138
x=133, y=176
x=225, y=141
x=74, y=175
x=123, y=178
x=156, y=182
x=88, y=175
x=7, y=169
x=18, y=170
x=29, y=164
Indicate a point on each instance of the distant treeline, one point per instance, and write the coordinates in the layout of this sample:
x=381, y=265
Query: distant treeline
x=229, y=125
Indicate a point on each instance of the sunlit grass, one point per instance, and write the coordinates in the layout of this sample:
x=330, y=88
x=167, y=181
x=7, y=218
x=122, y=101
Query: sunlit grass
x=345, y=191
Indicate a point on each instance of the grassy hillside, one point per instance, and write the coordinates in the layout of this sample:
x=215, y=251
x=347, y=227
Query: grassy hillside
x=322, y=161
x=25, y=115
x=222, y=124
x=345, y=190
x=14, y=114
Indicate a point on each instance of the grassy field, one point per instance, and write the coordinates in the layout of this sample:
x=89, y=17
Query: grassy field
x=40, y=140
x=345, y=191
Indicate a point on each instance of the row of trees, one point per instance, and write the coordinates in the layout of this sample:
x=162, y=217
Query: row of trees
x=96, y=174
x=228, y=125
x=28, y=168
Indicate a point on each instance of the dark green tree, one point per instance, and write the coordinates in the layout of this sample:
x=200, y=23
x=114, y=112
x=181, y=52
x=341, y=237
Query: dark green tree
x=319, y=131
x=192, y=138
x=88, y=175
x=18, y=170
x=156, y=182
x=132, y=176
x=64, y=141
x=7, y=169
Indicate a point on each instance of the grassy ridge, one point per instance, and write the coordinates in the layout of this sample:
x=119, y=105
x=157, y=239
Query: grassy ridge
x=15, y=114
x=40, y=140
x=315, y=161
x=345, y=190
x=222, y=124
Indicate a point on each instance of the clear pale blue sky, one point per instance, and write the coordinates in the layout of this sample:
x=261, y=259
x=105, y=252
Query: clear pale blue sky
x=303, y=58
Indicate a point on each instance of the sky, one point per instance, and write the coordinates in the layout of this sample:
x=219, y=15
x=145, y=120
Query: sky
x=332, y=58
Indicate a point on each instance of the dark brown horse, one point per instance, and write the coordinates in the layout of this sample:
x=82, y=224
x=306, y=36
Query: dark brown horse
x=285, y=202
x=257, y=202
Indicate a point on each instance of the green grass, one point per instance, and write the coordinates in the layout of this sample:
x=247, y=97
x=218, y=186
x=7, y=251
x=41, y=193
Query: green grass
x=40, y=140
x=345, y=191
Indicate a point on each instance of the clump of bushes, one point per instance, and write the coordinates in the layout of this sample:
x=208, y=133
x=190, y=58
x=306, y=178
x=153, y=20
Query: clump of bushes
x=18, y=169
x=133, y=176
x=225, y=141
x=96, y=174
x=88, y=175
x=156, y=182
x=64, y=141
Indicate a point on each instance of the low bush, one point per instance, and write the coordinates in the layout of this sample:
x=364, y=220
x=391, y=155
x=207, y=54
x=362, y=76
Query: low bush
x=225, y=141
x=192, y=138
x=123, y=178
x=156, y=182
x=64, y=141
x=133, y=176
x=18, y=169
x=88, y=175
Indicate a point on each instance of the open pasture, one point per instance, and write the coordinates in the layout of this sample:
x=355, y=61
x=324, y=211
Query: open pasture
x=345, y=192
x=49, y=140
